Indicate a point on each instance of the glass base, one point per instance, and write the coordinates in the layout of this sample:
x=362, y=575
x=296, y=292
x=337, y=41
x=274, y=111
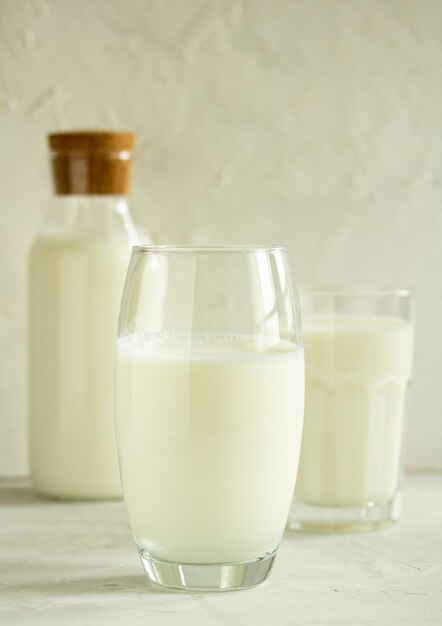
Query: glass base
x=210, y=577
x=323, y=519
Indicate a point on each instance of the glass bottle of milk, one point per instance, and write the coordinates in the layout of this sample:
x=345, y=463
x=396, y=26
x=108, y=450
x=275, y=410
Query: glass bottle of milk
x=77, y=268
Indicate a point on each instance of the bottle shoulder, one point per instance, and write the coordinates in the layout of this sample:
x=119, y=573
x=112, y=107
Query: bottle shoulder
x=90, y=219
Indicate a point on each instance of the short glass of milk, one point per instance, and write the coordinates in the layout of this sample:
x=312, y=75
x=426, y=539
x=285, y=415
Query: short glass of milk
x=209, y=410
x=358, y=357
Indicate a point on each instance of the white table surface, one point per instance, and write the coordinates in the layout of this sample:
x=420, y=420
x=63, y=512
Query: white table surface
x=75, y=563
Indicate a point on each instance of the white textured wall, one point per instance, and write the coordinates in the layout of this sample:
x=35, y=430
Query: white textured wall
x=313, y=123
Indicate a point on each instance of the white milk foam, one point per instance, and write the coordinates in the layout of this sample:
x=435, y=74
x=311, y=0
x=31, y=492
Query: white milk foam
x=176, y=345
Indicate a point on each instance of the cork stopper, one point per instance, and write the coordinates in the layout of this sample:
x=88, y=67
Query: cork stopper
x=91, y=162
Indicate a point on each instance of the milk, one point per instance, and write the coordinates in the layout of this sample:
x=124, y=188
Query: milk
x=75, y=292
x=209, y=431
x=357, y=374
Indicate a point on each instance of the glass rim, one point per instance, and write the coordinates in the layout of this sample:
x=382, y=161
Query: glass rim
x=332, y=290
x=204, y=249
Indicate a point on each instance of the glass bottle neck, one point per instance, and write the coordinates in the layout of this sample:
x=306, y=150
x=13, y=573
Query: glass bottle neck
x=100, y=202
x=91, y=216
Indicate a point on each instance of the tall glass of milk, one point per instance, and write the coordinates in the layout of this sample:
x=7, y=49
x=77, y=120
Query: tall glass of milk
x=76, y=275
x=358, y=359
x=209, y=411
